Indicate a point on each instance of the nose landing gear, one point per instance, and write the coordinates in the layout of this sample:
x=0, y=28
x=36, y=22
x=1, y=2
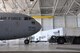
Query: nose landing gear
x=26, y=41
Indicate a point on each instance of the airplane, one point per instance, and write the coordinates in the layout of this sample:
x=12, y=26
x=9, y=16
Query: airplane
x=16, y=25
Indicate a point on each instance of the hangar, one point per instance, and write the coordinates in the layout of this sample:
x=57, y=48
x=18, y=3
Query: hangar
x=53, y=15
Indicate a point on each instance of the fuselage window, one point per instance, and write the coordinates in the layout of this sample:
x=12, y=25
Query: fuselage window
x=3, y=18
x=14, y=18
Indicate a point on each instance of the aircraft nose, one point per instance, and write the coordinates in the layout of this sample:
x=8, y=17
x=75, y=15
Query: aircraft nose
x=38, y=26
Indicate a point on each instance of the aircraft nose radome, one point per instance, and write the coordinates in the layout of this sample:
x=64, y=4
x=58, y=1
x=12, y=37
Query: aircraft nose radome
x=38, y=27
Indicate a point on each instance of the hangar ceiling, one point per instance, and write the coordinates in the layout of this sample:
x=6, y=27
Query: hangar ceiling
x=41, y=7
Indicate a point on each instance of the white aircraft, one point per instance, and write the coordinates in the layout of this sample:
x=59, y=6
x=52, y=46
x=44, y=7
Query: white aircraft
x=15, y=25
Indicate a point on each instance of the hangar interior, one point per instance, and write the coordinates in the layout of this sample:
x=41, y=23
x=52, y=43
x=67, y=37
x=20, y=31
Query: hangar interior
x=50, y=14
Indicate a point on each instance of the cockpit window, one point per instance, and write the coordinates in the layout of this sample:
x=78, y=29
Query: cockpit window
x=27, y=18
x=30, y=18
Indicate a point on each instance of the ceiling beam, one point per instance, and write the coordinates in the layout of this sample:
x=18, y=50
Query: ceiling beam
x=55, y=6
x=18, y=4
x=77, y=3
x=45, y=7
x=29, y=9
x=71, y=13
x=14, y=3
x=70, y=6
x=4, y=6
x=33, y=6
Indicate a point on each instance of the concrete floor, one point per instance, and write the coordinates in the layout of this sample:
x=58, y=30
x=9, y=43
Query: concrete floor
x=39, y=47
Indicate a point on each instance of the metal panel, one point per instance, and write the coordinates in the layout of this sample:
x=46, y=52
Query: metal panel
x=47, y=23
x=71, y=21
x=59, y=21
x=78, y=20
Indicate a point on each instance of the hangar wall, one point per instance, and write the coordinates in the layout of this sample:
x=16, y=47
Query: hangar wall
x=71, y=21
x=59, y=21
x=78, y=20
x=47, y=23
x=65, y=21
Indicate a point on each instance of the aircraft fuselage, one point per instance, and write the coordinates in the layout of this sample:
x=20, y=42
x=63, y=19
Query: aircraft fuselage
x=13, y=26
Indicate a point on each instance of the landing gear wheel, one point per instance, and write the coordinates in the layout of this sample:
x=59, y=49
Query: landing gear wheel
x=60, y=40
x=26, y=41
